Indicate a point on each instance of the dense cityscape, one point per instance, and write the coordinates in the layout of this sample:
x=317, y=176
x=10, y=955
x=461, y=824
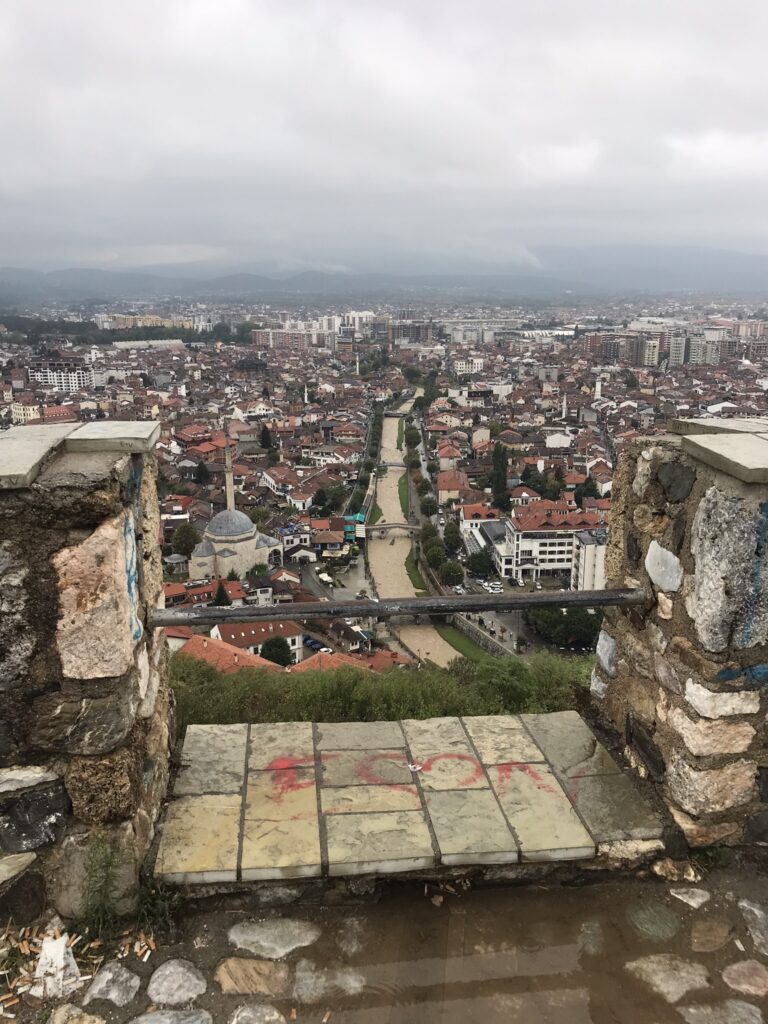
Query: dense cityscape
x=292, y=442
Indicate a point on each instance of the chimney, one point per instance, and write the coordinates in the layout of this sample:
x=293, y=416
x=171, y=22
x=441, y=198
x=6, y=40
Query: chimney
x=205, y=644
x=271, y=628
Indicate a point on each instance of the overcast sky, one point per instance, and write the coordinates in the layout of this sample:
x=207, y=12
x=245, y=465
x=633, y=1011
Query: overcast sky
x=377, y=134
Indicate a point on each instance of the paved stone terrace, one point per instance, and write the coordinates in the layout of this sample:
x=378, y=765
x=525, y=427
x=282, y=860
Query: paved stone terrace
x=297, y=800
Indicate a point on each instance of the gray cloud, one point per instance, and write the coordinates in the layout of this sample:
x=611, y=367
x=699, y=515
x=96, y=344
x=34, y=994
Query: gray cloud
x=412, y=134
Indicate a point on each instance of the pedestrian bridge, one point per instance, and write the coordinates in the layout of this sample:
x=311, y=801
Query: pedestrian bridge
x=383, y=528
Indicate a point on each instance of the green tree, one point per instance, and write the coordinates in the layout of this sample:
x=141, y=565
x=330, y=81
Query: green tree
x=184, y=539
x=451, y=574
x=452, y=537
x=435, y=556
x=631, y=381
x=480, y=563
x=427, y=532
x=278, y=650
x=412, y=437
x=266, y=437
x=273, y=456
x=320, y=498
x=499, y=477
x=232, y=575
x=221, y=600
x=202, y=476
x=428, y=506
x=337, y=495
x=221, y=331
x=423, y=487
x=589, y=489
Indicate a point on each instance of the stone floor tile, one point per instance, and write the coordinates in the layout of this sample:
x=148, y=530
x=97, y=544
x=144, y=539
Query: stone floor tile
x=456, y=768
x=430, y=736
x=350, y=799
x=212, y=760
x=281, y=745
x=360, y=844
x=358, y=735
x=612, y=808
x=365, y=767
x=115, y=436
x=500, y=739
x=281, y=834
x=199, y=840
x=569, y=745
x=22, y=450
x=545, y=823
x=286, y=795
x=470, y=828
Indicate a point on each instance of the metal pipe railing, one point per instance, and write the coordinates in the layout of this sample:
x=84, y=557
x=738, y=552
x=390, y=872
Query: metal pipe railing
x=390, y=607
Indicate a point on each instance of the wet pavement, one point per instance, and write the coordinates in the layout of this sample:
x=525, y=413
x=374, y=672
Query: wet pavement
x=623, y=952
x=297, y=800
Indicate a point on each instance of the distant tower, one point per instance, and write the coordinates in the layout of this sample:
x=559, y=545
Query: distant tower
x=230, y=476
x=357, y=364
x=306, y=395
x=565, y=406
x=598, y=390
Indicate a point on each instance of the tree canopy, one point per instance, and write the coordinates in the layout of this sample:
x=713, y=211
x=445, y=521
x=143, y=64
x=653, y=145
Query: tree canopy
x=184, y=540
x=278, y=650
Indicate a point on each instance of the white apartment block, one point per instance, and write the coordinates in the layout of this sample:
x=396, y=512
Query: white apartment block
x=588, y=572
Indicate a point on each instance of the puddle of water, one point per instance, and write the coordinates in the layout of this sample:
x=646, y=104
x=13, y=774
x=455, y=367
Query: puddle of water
x=535, y=955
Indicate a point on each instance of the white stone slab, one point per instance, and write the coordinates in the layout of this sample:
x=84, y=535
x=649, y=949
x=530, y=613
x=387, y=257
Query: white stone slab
x=744, y=456
x=115, y=436
x=22, y=450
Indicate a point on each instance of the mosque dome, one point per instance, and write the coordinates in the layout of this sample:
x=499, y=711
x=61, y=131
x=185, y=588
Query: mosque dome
x=230, y=524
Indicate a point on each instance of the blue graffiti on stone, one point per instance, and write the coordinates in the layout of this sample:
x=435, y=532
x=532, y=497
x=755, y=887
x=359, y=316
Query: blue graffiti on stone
x=132, y=575
x=756, y=582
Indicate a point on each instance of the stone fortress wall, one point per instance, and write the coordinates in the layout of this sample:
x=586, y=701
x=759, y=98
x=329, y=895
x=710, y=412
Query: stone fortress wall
x=85, y=719
x=684, y=680
x=85, y=712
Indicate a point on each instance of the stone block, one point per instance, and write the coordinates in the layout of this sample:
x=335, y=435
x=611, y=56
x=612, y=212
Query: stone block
x=500, y=739
x=86, y=725
x=363, y=844
x=106, y=788
x=212, y=760
x=22, y=887
x=676, y=479
x=612, y=809
x=709, y=704
x=99, y=626
x=69, y=863
x=703, y=833
x=663, y=567
x=23, y=449
x=199, y=840
x=470, y=828
x=605, y=652
x=360, y=799
x=359, y=735
x=705, y=738
x=17, y=778
x=743, y=456
x=665, y=674
x=724, y=544
x=114, y=436
x=569, y=745
x=281, y=745
x=281, y=834
x=546, y=826
x=367, y=768
x=17, y=637
x=710, y=791
x=598, y=686
x=33, y=818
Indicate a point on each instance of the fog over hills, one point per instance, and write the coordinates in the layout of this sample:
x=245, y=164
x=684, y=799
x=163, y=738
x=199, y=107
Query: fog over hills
x=555, y=273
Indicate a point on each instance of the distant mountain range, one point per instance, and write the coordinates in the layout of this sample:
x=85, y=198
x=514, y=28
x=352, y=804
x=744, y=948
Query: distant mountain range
x=560, y=272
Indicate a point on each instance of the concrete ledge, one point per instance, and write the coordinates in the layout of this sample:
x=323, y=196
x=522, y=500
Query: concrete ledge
x=24, y=449
x=743, y=456
x=706, y=425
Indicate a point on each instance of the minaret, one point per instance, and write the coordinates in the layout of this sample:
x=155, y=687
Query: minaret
x=230, y=476
x=598, y=389
x=565, y=406
x=357, y=364
x=306, y=395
